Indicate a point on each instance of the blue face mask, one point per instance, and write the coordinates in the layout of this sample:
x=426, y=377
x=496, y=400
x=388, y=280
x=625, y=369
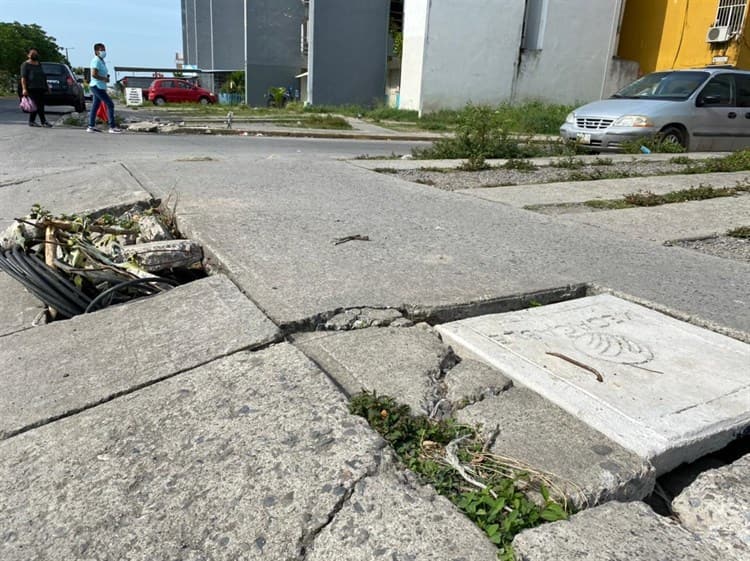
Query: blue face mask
x=103, y=54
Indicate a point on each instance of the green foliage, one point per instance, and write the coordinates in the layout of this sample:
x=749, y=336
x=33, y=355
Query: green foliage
x=736, y=161
x=742, y=232
x=568, y=163
x=682, y=160
x=478, y=136
x=520, y=165
x=15, y=41
x=655, y=144
x=647, y=198
x=501, y=509
x=235, y=83
x=597, y=174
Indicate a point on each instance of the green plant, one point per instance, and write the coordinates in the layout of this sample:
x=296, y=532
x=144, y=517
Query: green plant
x=443, y=451
x=736, y=161
x=520, y=165
x=647, y=198
x=602, y=162
x=682, y=160
x=235, y=83
x=568, y=163
x=654, y=143
x=742, y=232
x=597, y=174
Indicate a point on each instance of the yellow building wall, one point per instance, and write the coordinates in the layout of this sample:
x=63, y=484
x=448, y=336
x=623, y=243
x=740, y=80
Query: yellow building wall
x=666, y=34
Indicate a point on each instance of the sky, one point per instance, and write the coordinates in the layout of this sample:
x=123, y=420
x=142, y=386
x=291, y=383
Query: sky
x=135, y=32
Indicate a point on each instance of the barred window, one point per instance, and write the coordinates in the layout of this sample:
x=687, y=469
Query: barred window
x=731, y=14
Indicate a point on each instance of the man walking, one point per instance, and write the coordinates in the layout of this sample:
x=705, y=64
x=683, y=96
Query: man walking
x=98, y=88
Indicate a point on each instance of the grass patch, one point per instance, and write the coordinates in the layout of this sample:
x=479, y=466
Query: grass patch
x=647, y=198
x=655, y=144
x=329, y=122
x=681, y=160
x=385, y=170
x=440, y=450
x=602, y=162
x=520, y=165
x=596, y=174
x=736, y=161
x=743, y=232
x=568, y=163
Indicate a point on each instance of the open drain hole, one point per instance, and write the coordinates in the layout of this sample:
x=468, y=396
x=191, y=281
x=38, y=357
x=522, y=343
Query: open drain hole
x=671, y=484
x=77, y=264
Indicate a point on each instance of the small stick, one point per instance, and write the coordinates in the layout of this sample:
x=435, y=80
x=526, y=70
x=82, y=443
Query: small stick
x=50, y=253
x=345, y=239
x=594, y=371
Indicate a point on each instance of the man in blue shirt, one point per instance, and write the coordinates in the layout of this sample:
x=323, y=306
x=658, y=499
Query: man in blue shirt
x=98, y=88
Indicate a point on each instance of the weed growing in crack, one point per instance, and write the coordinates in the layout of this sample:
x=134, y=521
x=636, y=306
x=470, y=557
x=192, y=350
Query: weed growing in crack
x=742, y=232
x=489, y=490
x=568, y=163
x=520, y=165
x=647, y=198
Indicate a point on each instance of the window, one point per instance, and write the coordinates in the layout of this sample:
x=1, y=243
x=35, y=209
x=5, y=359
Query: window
x=534, y=24
x=720, y=88
x=731, y=14
x=743, y=89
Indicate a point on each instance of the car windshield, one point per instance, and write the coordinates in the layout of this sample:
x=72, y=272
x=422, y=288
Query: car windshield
x=664, y=85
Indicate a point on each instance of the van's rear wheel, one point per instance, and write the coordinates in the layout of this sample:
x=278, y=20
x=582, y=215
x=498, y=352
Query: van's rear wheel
x=675, y=135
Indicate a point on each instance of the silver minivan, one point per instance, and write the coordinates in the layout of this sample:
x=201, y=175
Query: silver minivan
x=701, y=109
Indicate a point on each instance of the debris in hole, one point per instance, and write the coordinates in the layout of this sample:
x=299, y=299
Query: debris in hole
x=77, y=264
x=360, y=318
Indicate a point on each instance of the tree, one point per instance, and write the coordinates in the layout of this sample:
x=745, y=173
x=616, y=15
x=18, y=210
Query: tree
x=15, y=41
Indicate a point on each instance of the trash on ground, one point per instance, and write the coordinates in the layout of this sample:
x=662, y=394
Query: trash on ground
x=79, y=263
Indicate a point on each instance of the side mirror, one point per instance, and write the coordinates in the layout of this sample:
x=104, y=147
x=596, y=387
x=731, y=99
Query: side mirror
x=709, y=100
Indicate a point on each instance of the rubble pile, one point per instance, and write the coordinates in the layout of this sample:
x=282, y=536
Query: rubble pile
x=81, y=263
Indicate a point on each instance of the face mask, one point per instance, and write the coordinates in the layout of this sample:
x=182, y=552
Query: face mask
x=103, y=54
x=34, y=57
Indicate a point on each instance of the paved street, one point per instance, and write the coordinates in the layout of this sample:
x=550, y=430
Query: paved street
x=210, y=424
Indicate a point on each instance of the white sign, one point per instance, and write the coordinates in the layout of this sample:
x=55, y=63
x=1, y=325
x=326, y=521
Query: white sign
x=667, y=390
x=133, y=96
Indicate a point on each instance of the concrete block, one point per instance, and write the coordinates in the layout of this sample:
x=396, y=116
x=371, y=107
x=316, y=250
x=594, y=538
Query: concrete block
x=405, y=363
x=18, y=308
x=613, y=532
x=152, y=229
x=67, y=366
x=163, y=255
x=366, y=317
x=246, y=457
x=471, y=381
x=586, y=465
x=667, y=390
x=390, y=516
x=717, y=508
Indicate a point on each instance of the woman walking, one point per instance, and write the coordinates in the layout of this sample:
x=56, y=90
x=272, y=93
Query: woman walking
x=34, y=86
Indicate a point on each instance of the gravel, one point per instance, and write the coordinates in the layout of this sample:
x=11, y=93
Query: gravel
x=453, y=180
x=720, y=246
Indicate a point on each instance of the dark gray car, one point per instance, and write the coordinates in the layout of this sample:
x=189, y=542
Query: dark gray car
x=702, y=110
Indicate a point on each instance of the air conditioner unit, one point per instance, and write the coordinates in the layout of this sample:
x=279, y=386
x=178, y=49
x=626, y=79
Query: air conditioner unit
x=720, y=34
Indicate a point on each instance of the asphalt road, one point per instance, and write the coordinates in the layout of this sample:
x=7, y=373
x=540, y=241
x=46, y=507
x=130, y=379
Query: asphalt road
x=159, y=146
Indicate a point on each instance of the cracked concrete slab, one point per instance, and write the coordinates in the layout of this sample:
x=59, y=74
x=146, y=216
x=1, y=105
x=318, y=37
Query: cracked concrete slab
x=716, y=506
x=613, y=532
x=18, y=308
x=667, y=390
x=428, y=249
x=245, y=457
x=693, y=219
x=586, y=465
x=471, y=381
x=84, y=190
x=581, y=191
x=66, y=366
x=405, y=363
x=384, y=516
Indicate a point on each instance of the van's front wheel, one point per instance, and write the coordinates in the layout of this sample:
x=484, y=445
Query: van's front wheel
x=675, y=135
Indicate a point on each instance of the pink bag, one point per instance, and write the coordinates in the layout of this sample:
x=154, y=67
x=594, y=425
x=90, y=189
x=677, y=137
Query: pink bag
x=27, y=104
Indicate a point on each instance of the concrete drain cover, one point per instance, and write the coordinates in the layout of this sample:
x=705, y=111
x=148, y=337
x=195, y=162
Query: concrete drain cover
x=669, y=391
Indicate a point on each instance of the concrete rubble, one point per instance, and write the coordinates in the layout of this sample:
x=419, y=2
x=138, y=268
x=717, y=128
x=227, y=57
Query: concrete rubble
x=163, y=255
x=717, y=508
x=613, y=532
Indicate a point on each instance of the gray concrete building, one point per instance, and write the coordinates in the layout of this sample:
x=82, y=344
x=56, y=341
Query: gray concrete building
x=341, y=45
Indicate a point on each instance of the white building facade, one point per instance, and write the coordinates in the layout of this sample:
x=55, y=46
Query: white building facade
x=494, y=51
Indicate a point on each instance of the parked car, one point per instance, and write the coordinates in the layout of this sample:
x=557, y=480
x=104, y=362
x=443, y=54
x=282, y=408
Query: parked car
x=701, y=109
x=64, y=89
x=174, y=90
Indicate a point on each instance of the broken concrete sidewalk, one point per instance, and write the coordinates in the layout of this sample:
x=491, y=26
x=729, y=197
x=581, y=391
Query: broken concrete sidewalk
x=64, y=367
x=250, y=456
x=412, y=366
x=717, y=507
x=613, y=532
